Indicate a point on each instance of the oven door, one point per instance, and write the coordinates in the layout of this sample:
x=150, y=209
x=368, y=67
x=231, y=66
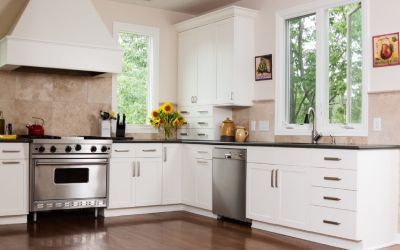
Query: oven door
x=61, y=179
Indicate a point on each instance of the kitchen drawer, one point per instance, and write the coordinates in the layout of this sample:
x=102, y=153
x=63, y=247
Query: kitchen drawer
x=334, y=158
x=334, y=178
x=202, y=122
x=201, y=111
x=203, y=152
x=186, y=111
x=14, y=151
x=334, y=222
x=123, y=150
x=282, y=156
x=334, y=198
x=204, y=134
x=185, y=134
x=149, y=150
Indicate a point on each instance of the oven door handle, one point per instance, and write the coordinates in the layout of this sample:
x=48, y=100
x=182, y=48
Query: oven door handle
x=69, y=163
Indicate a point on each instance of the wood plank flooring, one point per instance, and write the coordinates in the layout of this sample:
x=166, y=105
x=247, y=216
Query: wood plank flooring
x=176, y=230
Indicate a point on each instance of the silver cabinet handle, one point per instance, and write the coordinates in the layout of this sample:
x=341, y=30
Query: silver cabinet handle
x=185, y=134
x=276, y=178
x=202, y=123
x=184, y=112
x=134, y=169
x=202, y=152
x=201, y=134
x=231, y=95
x=331, y=222
x=122, y=150
x=138, y=165
x=10, y=162
x=165, y=154
x=331, y=198
x=11, y=151
x=195, y=99
x=272, y=178
x=203, y=111
x=202, y=162
x=149, y=150
x=332, y=159
x=327, y=178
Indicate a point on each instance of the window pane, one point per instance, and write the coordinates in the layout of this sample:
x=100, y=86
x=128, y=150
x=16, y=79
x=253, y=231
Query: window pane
x=133, y=81
x=301, y=63
x=345, y=64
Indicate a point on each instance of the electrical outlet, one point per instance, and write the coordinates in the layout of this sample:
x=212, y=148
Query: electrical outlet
x=377, y=124
x=263, y=125
x=253, y=125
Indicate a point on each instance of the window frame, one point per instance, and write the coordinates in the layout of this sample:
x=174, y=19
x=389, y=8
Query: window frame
x=322, y=80
x=153, y=72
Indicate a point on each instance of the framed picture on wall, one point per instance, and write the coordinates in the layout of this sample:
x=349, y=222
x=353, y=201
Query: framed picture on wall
x=386, y=50
x=263, y=67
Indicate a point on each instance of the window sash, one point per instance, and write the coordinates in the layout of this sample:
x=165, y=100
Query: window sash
x=322, y=80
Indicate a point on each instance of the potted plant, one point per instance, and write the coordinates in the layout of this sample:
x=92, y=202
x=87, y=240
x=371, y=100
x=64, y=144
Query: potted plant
x=166, y=118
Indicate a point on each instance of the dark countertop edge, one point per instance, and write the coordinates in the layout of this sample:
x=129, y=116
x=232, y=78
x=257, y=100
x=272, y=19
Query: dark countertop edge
x=269, y=144
x=18, y=140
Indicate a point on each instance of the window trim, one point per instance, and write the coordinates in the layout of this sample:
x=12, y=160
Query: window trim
x=322, y=89
x=154, y=70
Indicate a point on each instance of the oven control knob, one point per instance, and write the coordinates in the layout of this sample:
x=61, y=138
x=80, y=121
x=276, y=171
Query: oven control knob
x=104, y=149
x=78, y=147
x=41, y=149
x=68, y=149
x=93, y=149
x=53, y=149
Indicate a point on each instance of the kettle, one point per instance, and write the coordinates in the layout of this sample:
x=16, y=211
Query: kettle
x=36, y=129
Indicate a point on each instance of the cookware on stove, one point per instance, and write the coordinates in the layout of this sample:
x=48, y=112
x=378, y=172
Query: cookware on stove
x=36, y=129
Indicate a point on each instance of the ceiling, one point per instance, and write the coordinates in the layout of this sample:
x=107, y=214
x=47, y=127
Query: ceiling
x=186, y=6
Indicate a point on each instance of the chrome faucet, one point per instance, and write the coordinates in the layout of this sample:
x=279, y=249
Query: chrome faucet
x=315, y=136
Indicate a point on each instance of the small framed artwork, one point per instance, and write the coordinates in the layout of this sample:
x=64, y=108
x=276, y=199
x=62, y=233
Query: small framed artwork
x=386, y=50
x=263, y=67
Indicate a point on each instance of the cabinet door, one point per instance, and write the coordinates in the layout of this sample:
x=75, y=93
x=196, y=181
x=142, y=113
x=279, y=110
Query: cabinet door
x=122, y=188
x=293, y=185
x=206, y=65
x=148, y=181
x=188, y=179
x=203, y=182
x=13, y=187
x=225, y=60
x=187, y=67
x=261, y=197
x=171, y=174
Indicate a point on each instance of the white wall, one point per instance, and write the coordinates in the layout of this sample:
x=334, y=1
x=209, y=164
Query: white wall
x=111, y=11
x=383, y=17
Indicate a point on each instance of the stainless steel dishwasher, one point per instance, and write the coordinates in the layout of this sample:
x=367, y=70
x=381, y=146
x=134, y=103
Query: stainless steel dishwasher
x=229, y=183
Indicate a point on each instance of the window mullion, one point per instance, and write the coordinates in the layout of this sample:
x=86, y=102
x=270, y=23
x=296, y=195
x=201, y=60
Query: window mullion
x=322, y=85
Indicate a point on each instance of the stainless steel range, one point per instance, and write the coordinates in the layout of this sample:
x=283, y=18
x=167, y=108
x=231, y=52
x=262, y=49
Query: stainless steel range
x=68, y=173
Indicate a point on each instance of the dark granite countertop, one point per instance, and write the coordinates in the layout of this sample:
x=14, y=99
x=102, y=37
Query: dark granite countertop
x=269, y=144
x=18, y=140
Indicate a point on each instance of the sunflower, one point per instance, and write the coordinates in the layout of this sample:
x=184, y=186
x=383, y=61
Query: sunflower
x=157, y=122
x=167, y=108
x=176, y=123
x=154, y=113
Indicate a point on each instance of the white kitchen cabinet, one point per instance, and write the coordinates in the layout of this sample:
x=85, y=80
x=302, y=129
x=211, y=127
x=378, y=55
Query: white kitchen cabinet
x=171, y=174
x=122, y=183
x=148, y=182
x=216, y=58
x=13, y=187
x=261, y=195
x=197, y=176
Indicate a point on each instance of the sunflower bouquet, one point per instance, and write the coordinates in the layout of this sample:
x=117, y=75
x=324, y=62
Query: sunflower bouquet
x=166, y=118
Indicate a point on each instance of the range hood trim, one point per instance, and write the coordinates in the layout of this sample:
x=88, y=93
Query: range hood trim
x=16, y=52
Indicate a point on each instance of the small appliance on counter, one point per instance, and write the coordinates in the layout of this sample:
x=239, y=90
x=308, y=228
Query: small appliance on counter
x=36, y=129
x=120, y=131
x=105, y=123
x=227, y=131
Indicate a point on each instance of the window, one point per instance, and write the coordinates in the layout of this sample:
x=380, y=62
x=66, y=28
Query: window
x=322, y=66
x=135, y=88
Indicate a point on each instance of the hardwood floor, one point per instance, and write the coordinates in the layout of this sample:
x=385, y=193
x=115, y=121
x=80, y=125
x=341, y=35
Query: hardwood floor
x=177, y=230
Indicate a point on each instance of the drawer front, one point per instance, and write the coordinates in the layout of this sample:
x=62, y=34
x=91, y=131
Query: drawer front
x=123, y=150
x=149, y=150
x=185, y=134
x=204, y=134
x=201, y=111
x=14, y=151
x=186, y=111
x=202, y=122
x=334, y=222
x=334, y=198
x=334, y=178
x=283, y=156
x=203, y=152
x=335, y=158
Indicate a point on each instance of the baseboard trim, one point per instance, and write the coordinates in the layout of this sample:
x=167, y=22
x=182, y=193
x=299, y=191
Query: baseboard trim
x=18, y=219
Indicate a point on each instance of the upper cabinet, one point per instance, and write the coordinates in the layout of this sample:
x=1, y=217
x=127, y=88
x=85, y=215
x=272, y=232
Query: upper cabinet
x=216, y=58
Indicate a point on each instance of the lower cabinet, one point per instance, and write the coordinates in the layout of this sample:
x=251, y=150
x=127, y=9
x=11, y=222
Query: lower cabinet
x=278, y=194
x=13, y=187
x=135, y=182
x=171, y=174
x=197, y=176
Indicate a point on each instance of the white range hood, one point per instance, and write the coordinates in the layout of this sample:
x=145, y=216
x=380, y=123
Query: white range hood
x=60, y=36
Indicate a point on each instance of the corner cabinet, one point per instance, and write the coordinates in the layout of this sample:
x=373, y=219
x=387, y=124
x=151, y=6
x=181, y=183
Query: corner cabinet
x=216, y=58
